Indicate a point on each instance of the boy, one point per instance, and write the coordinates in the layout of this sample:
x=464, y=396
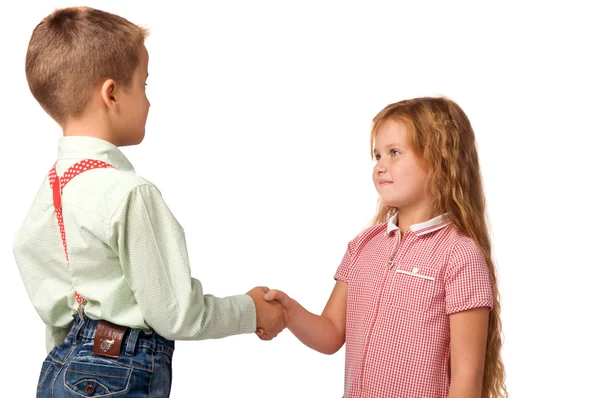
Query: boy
x=101, y=256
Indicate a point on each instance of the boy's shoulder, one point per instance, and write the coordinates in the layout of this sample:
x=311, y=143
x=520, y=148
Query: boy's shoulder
x=104, y=191
x=112, y=180
x=121, y=184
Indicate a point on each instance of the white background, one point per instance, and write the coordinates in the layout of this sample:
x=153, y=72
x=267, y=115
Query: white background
x=266, y=106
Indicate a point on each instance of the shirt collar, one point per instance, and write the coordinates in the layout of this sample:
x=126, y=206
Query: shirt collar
x=83, y=147
x=422, y=228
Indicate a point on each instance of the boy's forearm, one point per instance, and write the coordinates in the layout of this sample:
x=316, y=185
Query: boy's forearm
x=314, y=331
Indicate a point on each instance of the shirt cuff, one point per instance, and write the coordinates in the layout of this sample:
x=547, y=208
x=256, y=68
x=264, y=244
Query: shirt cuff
x=453, y=309
x=248, y=313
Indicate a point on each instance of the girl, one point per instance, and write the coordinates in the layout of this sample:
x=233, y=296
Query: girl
x=416, y=298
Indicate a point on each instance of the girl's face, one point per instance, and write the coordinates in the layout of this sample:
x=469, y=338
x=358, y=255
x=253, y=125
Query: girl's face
x=397, y=175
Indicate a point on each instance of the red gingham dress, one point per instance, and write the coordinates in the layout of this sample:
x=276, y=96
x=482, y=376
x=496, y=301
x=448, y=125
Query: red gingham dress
x=400, y=296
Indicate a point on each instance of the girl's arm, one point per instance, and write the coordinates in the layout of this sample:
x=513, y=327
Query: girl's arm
x=325, y=333
x=468, y=338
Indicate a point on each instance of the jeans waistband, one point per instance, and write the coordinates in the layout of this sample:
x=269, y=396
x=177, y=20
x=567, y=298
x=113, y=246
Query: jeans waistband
x=85, y=329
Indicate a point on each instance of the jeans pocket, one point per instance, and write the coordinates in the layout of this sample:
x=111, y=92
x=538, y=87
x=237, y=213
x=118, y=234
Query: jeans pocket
x=46, y=367
x=97, y=378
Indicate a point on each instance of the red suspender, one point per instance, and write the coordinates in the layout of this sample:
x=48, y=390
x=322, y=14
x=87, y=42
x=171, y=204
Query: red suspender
x=76, y=169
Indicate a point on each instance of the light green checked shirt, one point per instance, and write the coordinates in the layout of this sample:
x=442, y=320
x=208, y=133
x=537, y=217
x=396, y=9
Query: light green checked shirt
x=127, y=253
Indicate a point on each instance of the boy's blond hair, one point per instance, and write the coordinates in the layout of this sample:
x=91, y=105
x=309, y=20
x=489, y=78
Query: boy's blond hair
x=73, y=50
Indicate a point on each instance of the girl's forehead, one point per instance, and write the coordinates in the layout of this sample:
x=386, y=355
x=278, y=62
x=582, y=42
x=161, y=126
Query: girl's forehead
x=389, y=134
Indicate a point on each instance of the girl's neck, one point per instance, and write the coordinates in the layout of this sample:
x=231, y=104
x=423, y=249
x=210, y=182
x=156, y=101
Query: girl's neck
x=407, y=217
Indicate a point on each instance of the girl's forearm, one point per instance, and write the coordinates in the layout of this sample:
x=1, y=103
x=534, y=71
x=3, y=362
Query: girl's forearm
x=314, y=331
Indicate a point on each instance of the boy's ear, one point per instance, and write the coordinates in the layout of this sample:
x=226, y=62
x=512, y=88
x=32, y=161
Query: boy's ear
x=108, y=92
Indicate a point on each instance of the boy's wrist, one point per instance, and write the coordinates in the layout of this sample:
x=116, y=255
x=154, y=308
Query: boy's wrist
x=248, y=313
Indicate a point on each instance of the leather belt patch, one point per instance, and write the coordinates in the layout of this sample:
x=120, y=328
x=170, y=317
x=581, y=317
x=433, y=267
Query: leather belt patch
x=108, y=339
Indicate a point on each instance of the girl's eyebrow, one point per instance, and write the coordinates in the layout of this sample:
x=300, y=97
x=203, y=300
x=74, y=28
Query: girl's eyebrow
x=388, y=146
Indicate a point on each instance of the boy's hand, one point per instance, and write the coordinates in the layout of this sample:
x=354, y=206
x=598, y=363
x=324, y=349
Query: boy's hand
x=285, y=301
x=271, y=317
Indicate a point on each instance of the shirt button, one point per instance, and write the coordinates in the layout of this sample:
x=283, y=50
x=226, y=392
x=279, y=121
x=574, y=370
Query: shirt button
x=89, y=389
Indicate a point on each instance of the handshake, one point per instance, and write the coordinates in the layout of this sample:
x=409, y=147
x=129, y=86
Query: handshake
x=272, y=314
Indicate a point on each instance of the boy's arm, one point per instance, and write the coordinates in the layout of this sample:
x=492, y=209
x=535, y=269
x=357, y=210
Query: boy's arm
x=325, y=333
x=153, y=253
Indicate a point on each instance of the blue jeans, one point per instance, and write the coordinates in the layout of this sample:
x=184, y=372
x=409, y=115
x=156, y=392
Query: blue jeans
x=142, y=370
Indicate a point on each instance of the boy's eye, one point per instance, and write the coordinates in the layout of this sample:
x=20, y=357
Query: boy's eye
x=395, y=152
x=377, y=156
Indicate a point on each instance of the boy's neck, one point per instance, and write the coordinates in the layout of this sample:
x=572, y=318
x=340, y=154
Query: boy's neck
x=89, y=126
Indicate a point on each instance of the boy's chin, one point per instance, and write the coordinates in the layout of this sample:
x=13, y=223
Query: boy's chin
x=131, y=140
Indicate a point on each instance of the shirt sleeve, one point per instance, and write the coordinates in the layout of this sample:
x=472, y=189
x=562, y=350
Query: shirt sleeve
x=154, y=257
x=343, y=271
x=55, y=336
x=468, y=282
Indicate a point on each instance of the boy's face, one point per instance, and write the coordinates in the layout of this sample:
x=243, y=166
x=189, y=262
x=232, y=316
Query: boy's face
x=398, y=177
x=134, y=106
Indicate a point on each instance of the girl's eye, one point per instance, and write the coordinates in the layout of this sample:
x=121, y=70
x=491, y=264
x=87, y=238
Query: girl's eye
x=395, y=152
x=377, y=156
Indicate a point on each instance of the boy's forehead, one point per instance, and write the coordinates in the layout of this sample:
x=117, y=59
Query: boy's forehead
x=145, y=55
x=142, y=67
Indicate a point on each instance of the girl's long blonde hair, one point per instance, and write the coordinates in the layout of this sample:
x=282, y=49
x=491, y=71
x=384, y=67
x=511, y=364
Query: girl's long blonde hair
x=442, y=137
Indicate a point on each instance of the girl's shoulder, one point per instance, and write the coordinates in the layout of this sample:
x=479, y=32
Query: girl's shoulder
x=367, y=235
x=459, y=242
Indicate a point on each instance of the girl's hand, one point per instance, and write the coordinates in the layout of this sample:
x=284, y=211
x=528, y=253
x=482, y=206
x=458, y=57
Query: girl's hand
x=285, y=301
